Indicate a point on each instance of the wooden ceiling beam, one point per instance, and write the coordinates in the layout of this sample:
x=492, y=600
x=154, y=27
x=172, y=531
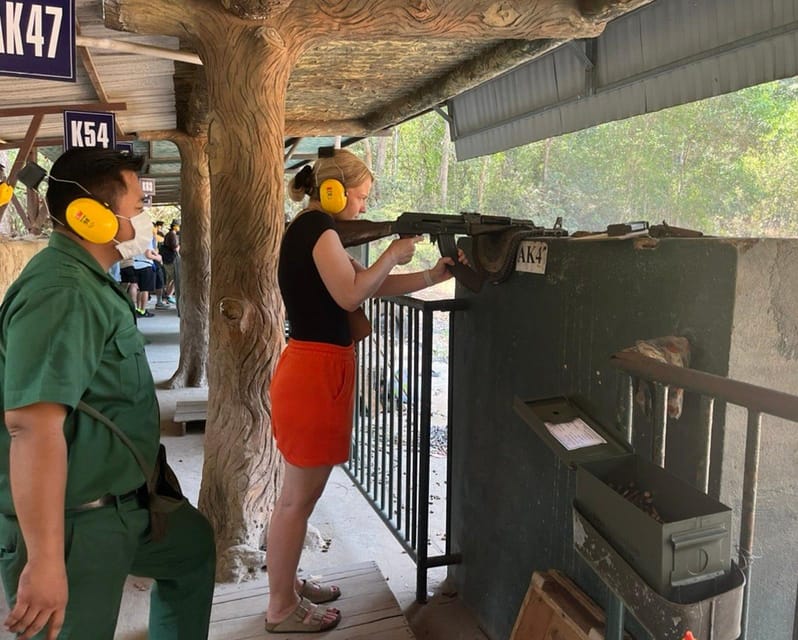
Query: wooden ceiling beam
x=53, y=142
x=291, y=150
x=15, y=112
x=94, y=78
x=122, y=46
x=161, y=134
x=310, y=128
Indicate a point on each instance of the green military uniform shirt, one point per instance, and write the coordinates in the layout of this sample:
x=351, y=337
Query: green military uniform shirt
x=68, y=333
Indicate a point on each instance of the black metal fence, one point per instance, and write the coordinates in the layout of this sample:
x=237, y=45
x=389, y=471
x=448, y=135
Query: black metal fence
x=758, y=401
x=392, y=440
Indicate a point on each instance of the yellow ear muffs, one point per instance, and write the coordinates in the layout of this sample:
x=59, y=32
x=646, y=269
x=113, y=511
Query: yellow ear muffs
x=6, y=193
x=92, y=220
x=332, y=195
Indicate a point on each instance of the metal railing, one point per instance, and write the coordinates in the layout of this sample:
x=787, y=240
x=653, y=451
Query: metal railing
x=391, y=439
x=758, y=401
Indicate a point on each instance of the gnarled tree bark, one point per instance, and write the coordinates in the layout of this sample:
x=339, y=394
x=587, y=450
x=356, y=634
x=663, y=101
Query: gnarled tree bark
x=247, y=70
x=195, y=262
x=195, y=255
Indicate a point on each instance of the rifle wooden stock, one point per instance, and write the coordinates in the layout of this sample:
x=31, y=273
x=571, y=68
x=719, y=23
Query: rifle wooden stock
x=357, y=232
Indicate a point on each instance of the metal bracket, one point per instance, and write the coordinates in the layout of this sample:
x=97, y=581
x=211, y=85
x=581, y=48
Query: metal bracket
x=439, y=110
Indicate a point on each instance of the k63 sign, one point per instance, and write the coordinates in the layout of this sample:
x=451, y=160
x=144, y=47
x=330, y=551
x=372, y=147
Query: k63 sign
x=37, y=39
x=89, y=129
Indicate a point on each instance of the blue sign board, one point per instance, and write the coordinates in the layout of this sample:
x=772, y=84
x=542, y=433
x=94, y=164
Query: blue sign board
x=89, y=129
x=37, y=39
x=124, y=146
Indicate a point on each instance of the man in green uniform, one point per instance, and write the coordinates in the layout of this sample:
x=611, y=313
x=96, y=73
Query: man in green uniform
x=72, y=521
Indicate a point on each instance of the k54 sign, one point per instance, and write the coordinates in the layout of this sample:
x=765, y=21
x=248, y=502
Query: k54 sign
x=89, y=129
x=37, y=39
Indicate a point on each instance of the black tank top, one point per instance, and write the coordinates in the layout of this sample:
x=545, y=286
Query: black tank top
x=311, y=311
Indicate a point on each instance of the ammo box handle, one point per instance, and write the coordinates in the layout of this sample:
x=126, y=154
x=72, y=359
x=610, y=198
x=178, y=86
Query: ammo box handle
x=697, y=555
x=693, y=538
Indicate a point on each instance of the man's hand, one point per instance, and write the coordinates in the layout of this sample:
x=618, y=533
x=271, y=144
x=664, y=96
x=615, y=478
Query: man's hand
x=37, y=468
x=41, y=600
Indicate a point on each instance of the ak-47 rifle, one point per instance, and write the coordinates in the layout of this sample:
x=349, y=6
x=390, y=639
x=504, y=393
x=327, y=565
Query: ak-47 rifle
x=444, y=228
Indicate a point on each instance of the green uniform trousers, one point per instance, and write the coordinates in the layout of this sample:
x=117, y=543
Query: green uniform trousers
x=104, y=546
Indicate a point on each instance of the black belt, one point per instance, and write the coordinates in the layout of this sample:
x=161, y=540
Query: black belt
x=105, y=501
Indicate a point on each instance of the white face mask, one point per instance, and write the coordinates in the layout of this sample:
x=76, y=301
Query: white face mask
x=142, y=236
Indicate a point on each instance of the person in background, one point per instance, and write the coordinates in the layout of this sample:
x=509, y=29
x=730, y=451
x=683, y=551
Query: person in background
x=145, y=267
x=312, y=391
x=73, y=516
x=130, y=283
x=170, y=252
x=157, y=227
x=160, y=275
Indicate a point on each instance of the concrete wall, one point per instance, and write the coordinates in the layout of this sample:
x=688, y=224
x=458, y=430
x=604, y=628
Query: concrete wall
x=764, y=351
x=538, y=336
x=14, y=255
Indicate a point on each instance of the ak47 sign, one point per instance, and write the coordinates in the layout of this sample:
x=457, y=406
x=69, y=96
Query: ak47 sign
x=37, y=39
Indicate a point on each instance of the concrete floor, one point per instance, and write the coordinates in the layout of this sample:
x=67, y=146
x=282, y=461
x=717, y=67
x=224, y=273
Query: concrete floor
x=349, y=530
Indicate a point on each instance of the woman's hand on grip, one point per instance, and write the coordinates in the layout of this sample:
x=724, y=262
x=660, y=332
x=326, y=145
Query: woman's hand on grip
x=440, y=272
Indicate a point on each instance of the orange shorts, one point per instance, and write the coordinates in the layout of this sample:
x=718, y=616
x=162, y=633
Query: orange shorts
x=312, y=394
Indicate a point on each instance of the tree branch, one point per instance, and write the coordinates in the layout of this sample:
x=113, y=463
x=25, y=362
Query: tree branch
x=165, y=17
x=480, y=19
x=503, y=57
x=256, y=9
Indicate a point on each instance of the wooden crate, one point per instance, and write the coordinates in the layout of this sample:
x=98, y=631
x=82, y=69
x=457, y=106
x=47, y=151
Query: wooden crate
x=556, y=609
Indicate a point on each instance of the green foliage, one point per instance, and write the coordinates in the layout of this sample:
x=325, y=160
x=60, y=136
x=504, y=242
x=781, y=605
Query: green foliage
x=725, y=166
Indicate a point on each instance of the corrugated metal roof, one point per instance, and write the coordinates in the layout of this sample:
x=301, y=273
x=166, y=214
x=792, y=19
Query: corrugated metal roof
x=667, y=53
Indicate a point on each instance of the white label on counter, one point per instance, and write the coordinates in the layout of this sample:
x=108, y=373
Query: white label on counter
x=575, y=434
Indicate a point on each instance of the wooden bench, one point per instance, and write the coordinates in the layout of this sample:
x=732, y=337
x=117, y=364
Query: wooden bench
x=190, y=414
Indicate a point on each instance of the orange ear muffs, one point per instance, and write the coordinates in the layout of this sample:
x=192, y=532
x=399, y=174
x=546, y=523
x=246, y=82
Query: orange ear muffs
x=6, y=193
x=332, y=195
x=92, y=220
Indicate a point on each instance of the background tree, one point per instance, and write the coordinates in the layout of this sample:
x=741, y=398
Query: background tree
x=725, y=166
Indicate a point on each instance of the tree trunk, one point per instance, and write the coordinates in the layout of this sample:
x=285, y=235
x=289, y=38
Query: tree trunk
x=369, y=156
x=195, y=262
x=395, y=165
x=37, y=212
x=247, y=72
x=544, y=175
x=483, y=178
x=444, y=174
x=379, y=165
